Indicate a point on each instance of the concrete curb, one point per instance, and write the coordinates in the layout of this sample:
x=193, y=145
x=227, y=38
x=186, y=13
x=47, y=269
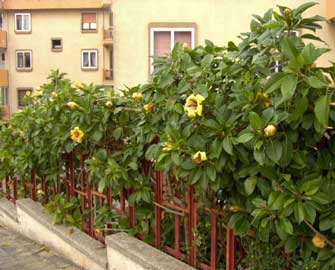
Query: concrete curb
x=128, y=253
x=124, y=252
x=34, y=222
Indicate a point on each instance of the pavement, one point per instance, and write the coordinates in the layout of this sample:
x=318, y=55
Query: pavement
x=20, y=253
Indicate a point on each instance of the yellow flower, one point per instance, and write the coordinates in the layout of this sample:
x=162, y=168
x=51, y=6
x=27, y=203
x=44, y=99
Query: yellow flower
x=40, y=191
x=28, y=94
x=199, y=157
x=72, y=105
x=167, y=147
x=148, y=107
x=318, y=241
x=54, y=94
x=270, y=131
x=77, y=85
x=77, y=135
x=137, y=96
x=39, y=93
x=193, y=105
x=109, y=104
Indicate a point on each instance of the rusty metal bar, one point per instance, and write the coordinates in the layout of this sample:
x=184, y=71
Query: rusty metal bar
x=158, y=210
x=192, y=226
x=230, y=249
x=33, y=187
x=15, y=189
x=90, y=215
x=213, y=241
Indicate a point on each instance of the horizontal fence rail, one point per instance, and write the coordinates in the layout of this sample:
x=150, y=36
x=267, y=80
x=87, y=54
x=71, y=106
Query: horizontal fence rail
x=183, y=209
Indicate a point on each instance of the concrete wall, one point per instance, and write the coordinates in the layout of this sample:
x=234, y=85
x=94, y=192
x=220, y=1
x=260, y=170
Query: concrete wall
x=217, y=20
x=47, y=24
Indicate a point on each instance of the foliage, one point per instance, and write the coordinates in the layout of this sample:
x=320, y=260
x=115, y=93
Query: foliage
x=64, y=212
x=216, y=118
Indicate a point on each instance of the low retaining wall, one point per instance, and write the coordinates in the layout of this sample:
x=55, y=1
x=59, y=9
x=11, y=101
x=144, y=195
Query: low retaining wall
x=124, y=252
x=128, y=253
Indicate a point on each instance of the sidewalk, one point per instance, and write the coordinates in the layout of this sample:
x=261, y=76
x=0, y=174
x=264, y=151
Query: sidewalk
x=19, y=253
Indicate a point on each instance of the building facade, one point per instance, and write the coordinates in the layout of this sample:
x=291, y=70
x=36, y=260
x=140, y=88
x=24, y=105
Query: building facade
x=73, y=36
x=113, y=42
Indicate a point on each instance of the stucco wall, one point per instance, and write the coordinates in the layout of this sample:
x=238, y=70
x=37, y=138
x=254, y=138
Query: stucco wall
x=46, y=24
x=217, y=20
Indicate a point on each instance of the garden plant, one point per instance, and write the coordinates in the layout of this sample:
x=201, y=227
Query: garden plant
x=250, y=126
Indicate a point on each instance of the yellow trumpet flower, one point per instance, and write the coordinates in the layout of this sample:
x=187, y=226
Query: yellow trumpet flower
x=77, y=135
x=137, y=96
x=193, y=105
x=148, y=107
x=199, y=157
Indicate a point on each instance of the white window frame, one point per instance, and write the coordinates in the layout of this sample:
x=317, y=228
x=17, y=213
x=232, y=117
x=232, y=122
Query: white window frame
x=172, y=30
x=92, y=26
x=22, y=14
x=89, y=59
x=4, y=96
x=31, y=59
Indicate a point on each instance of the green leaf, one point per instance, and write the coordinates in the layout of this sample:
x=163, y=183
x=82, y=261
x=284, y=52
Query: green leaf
x=310, y=53
x=227, y=145
x=288, y=86
x=246, y=137
x=321, y=110
x=274, y=151
x=315, y=82
x=250, y=184
x=299, y=212
x=255, y=120
x=300, y=9
x=289, y=49
x=207, y=61
x=175, y=158
x=291, y=244
x=286, y=226
x=211, y=173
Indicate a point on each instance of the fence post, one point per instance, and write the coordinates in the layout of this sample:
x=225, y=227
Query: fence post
x=230, y=249
x=213, y=240
x=33, y=188
x=158, y=210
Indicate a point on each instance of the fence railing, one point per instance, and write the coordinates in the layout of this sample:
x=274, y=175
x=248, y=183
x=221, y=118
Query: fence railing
x=184, y=210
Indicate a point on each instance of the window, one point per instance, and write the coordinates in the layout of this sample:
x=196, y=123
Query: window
x=22, y=22
x=24, y=60
x=163, y=39
x=3, y=96
x=89, y=59
x=56, y=44
x=20, y=96
x=89, y=21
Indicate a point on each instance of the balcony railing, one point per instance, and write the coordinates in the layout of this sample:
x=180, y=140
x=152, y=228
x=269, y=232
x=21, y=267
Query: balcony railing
x=3, y=39
x=108, y=76
x=108, y=36
x=3, y=78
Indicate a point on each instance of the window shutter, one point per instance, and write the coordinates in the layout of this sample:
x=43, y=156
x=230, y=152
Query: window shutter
x=183, y=37
x=89, y=17
x=162, y=43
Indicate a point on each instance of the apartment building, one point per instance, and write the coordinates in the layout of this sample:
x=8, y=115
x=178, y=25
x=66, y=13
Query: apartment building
x=159, y=24
x=113, y=42
x=37, y=36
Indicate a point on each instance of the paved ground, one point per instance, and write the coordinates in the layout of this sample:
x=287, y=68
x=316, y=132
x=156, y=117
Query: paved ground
x=19, y=253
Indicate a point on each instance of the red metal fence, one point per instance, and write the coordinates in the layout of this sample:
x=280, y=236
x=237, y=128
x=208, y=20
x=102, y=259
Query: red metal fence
x=74, y=182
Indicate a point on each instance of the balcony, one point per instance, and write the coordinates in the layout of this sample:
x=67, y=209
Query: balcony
x=108, y=37
x=108, y=76
x=3, y=78
x=3, y=39
x=331, y=9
